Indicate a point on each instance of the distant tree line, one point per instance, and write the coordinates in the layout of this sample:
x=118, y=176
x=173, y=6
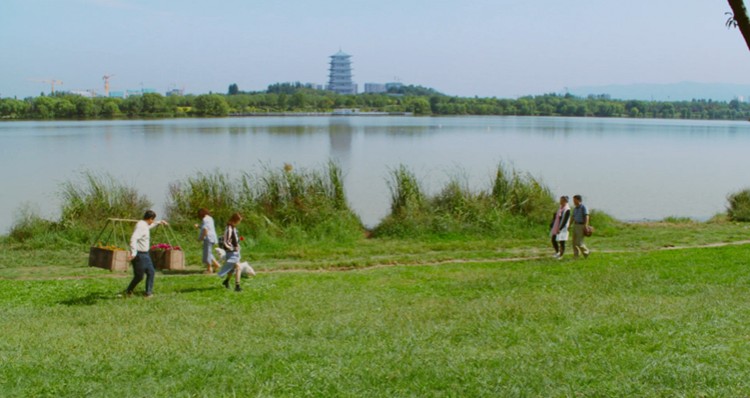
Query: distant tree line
x=297, y=97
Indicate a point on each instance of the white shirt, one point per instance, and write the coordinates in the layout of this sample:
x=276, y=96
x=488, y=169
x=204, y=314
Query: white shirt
x=141, y=239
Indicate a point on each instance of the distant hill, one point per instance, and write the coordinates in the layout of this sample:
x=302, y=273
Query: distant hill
x=683, y=91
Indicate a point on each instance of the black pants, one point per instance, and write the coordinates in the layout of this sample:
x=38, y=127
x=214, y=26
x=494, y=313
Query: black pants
x=142, y=265
x=559, y=246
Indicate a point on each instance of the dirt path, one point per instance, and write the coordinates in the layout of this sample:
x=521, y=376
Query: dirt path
x=334, y=268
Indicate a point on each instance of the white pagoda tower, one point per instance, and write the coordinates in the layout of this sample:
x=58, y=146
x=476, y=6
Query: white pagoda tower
x=340, y=74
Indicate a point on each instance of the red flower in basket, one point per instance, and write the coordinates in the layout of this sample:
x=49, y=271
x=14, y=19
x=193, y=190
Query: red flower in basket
x=165, y=247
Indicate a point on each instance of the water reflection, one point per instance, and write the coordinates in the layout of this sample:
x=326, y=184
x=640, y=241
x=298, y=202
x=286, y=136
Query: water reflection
x=683, y=167
x=340, y=135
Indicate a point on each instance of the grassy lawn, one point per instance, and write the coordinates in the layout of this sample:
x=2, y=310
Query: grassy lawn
x=636, y=323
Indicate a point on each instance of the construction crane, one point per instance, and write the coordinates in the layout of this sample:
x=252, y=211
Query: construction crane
x=51, y=82
x=106, y=84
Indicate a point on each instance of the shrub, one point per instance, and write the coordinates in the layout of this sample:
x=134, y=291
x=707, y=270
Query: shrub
x=738, y=208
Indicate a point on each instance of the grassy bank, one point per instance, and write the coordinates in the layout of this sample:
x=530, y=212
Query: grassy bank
x=434, y=314
x=622, y=324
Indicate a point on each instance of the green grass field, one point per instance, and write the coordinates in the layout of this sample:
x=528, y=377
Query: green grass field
x=632, y=320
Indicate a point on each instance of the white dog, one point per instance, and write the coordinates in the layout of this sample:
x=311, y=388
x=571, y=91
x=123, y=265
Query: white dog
x=245, y=267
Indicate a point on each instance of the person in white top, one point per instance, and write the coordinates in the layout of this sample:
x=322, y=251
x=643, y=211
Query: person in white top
x=559, y=227
x=140, y=243
x=209, y=239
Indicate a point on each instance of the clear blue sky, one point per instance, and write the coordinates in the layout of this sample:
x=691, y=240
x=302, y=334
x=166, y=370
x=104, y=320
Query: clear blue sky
x=503, y=48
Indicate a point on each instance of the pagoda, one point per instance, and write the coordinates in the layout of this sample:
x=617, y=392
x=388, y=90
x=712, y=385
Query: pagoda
x=340, y=74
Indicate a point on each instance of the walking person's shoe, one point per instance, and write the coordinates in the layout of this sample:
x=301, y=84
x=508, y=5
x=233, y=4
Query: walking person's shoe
x=148, y=296
x=237, y=288
x=226, y=283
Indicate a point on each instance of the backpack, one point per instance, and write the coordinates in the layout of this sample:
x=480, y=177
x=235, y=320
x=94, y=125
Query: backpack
x=224, y=244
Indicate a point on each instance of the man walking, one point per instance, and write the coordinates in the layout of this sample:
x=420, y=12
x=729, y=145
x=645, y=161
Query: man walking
x=580, y=223
x=139, y=247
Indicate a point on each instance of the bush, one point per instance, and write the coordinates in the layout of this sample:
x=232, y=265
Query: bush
x=738, y=208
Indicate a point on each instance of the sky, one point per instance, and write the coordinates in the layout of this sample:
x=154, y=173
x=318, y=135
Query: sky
x=500, y=48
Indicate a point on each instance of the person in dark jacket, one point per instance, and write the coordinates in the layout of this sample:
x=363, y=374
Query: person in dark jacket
x=231, y=243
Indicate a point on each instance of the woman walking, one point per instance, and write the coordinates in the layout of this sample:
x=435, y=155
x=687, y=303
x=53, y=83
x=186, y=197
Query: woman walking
x=208, y=237
x=231, y=243
x=559, y=227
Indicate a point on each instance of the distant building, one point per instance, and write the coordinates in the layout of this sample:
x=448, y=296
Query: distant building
x=116, y=94
x=375, y=88
x=340, y=74
x=135, y=93
x=393, y=85
x=174, y=93
x=83, y=93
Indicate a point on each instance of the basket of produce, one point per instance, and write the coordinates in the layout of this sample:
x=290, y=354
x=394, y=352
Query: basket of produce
x=167, y=256
x=110, y=248
x=108, y=257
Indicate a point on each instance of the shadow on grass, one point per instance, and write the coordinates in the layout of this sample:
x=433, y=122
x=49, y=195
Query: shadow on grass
x=182, y=272
x=90, y=299
x=201, y=289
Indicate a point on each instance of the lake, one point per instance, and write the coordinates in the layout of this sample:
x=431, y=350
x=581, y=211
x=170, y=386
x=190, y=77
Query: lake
x=633, y=169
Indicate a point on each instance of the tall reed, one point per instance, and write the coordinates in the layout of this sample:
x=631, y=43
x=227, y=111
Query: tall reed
x=516, y=204
x=99, y=196
x=213, y=191
x=522, y=194
x=406, y=192
x=286, y=203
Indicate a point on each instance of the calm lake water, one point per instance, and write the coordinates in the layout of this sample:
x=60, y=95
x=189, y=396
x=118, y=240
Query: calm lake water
x=633, y=169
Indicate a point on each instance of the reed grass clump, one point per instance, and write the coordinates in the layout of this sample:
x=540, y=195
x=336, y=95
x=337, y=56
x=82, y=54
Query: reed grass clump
x=738, y=208
x=85, y=204
x=301, y=203
x=516, y=204
x=214, y=191
x=97, y=197
x=285, y=203
x=29, y=224
x=522, y=194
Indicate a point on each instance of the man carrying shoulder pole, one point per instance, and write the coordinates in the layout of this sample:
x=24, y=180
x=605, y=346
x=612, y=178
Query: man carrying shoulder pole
x=140, y=243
